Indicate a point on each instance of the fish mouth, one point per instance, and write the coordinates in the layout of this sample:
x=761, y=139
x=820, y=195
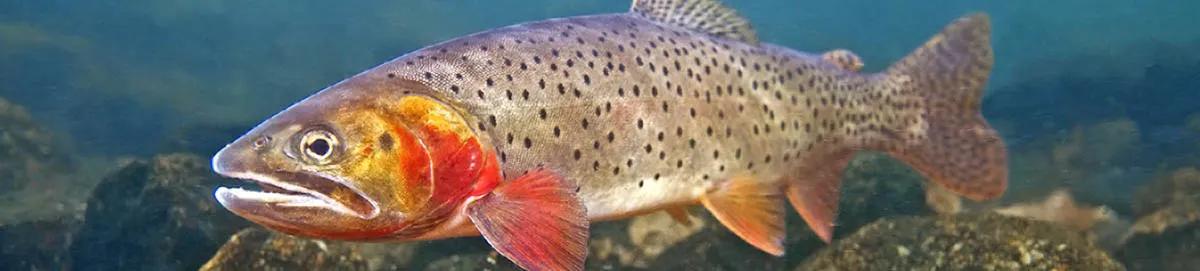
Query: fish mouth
x=300, y=191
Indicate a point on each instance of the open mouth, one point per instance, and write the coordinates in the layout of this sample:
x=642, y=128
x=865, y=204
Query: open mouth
x=300, y=191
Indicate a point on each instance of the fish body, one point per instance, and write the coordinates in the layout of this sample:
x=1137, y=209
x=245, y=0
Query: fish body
x=640, y=114
x=565, y=121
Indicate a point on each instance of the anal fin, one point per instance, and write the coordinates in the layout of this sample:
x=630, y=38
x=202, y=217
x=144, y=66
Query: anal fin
x=752, y=210
x=814, y=194
x=536, y=221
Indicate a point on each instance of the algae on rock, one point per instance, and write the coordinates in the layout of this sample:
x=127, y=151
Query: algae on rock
x=962, y=242
x=259, y=249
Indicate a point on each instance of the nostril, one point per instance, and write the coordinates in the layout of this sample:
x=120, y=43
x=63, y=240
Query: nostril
x=261, y=142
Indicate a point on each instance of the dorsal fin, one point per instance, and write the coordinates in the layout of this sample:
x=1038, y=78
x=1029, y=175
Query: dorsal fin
x=708, y=16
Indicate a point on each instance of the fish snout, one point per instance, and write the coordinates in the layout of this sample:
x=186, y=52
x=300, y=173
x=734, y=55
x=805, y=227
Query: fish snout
x=233, y=158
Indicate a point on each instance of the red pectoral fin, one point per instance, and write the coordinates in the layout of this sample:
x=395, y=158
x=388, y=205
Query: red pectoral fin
x=536, y=221
x=752, y=210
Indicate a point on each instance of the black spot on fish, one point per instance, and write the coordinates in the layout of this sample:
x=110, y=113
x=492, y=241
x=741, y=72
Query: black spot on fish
x=385, y=141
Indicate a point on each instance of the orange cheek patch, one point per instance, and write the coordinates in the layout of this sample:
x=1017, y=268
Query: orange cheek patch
x=434, y=116
x=461, y=165
x=409, y=165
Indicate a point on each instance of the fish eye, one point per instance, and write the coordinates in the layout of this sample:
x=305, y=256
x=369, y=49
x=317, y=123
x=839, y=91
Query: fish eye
x=318, y=146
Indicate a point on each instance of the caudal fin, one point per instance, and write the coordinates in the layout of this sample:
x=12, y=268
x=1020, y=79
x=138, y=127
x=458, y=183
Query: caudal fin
x=955, y=147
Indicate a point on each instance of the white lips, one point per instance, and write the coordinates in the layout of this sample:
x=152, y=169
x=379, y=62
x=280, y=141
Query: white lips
x=306, y=198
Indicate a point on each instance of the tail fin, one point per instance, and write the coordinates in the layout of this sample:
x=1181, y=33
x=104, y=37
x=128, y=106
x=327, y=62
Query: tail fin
x=929, y=113
x=957, y=148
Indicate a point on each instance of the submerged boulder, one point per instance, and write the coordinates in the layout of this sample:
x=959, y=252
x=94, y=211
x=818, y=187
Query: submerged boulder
x=637, y=243
x=28, y=153
x=154, y=215
x=717, y=248
x=876, y=186
x=1164, y=191
x=259, y=249
x=962, y=242
x=1166, y=237
x=472, y=261
x=37, y=181
x=37, y=245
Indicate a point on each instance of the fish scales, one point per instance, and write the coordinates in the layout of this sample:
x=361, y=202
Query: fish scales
x=645, y=115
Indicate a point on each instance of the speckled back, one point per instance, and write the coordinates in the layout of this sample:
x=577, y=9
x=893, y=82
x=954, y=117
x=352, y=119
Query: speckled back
x=629, y=108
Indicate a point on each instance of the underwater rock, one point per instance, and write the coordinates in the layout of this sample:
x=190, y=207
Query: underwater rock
x=154, y=215
x=1094, y=160
x=649, y=242
x=876, y=186
x=1099, y=145
x=636, y=243
x=1165, y=239
x=716, y=248
x=1062, y=209
x=468, y=252
x=37, y=190
x=1102, y=225
x=260, y=249
x=1180, y=184
x=472, y=261
x=640, y=240
x=37, y=245
x=962, y=242
x=27, y=151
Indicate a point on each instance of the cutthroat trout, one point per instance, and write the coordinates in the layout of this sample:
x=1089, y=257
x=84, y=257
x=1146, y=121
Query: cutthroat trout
x=528, y=133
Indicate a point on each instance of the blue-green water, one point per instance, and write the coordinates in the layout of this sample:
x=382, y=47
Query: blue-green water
x=1100, y=97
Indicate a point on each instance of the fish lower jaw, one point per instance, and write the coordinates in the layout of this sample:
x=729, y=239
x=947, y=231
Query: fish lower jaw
x=234, y=198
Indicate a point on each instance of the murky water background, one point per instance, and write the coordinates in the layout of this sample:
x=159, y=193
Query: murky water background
x=1099, y=98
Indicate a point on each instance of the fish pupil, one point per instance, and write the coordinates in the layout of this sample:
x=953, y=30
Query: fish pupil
x=319, y=147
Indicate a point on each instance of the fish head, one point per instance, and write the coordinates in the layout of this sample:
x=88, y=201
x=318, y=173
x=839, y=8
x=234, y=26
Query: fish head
x=355, y=163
